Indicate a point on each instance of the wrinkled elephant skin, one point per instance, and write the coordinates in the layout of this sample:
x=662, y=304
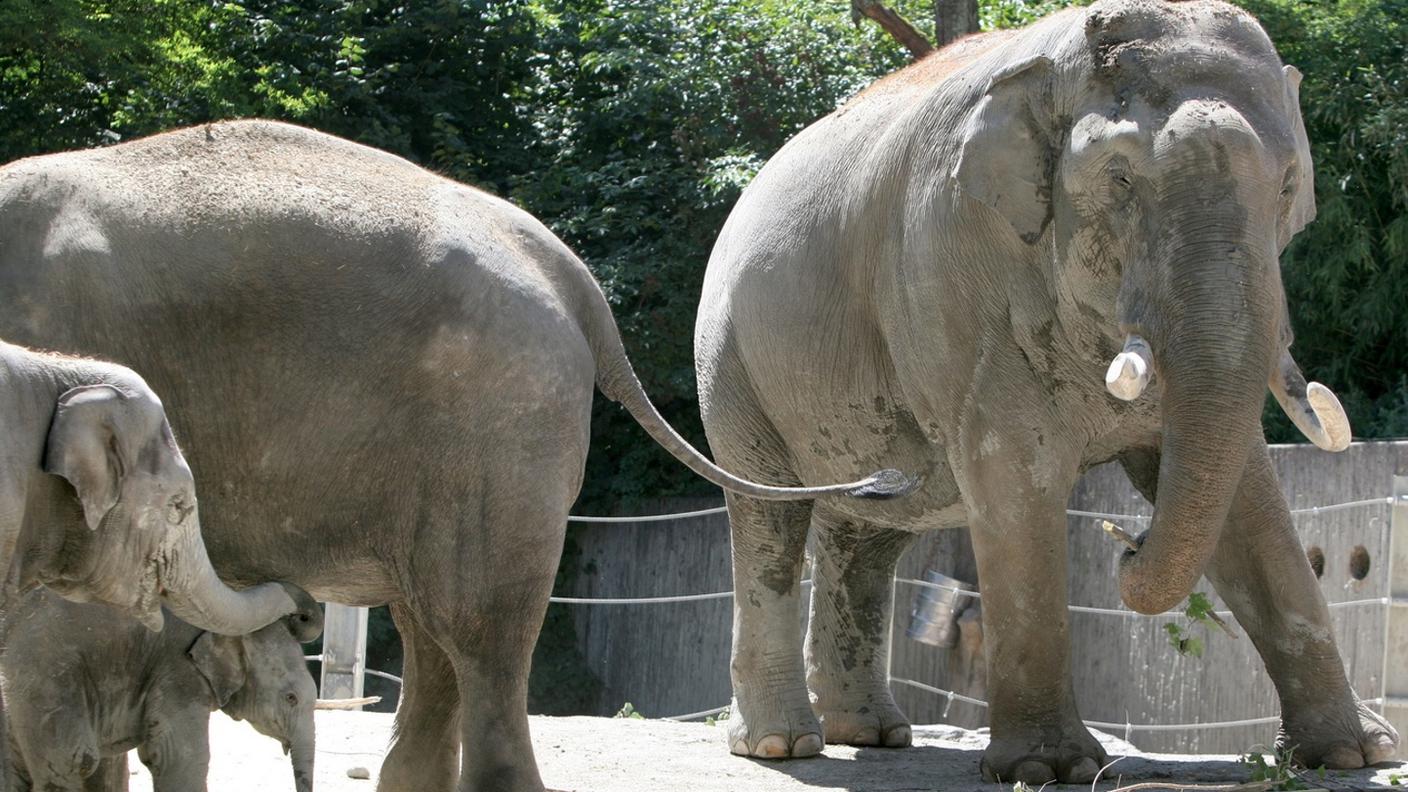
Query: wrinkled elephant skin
x=385, y=379
x=83, y=695
x=947, y=274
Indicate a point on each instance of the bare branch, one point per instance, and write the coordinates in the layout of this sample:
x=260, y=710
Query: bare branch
x=894, y=24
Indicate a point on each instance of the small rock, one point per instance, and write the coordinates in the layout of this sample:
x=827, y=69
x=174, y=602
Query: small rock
x=361, y=773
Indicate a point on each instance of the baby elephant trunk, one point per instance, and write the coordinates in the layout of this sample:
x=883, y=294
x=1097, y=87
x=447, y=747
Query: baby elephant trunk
x=301, y=757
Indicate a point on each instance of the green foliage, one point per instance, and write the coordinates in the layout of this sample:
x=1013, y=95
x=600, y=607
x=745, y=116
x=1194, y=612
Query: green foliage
x=628, y=711
x=1346, y=275
x=1279, y=772
x=1200, y=611
x=719, y=718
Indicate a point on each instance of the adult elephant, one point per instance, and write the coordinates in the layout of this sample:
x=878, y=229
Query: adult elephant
x=386, y=378
x=938, y=275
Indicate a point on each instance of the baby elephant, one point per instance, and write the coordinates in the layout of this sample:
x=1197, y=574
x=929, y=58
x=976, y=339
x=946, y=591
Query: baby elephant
x=84, y=684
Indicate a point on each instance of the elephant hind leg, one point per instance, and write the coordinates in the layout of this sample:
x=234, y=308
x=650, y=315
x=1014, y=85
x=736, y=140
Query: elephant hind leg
x=425, y=738
x=852, y=606
x=771, y=716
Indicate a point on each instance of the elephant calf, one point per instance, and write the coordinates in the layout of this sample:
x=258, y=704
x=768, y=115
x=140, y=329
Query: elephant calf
x=84, y=685
x=98, y=504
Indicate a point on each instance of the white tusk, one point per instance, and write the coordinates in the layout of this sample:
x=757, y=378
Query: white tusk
x=1312, y=407
x=1128, y=374
x=345, y=704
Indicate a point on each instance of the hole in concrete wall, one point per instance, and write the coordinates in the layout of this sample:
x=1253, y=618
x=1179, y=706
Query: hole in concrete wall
x=1317, y=560
x=1359, y=562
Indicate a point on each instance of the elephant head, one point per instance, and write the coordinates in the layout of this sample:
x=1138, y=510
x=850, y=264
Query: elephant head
x=263, y=678
x=1156, y=158
x=137, y=543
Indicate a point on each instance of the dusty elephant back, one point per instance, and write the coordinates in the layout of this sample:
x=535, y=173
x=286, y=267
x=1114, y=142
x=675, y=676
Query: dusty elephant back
x=341, y=337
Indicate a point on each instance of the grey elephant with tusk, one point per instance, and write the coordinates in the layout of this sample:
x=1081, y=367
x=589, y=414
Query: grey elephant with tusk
x=85, y=684
x=957, y=256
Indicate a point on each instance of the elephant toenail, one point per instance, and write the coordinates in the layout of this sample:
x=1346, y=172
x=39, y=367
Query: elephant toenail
x=807, y=745
x=1381, y=748
x=739, y=747
x=898, y=737
x=773, y=746
x=1033, y=772
x=866, y=736
x=1082, y=771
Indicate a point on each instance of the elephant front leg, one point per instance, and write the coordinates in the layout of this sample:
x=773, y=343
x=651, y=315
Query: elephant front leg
x=1260, y=570
x=112, y=775
x=848, y=633
x=179, y=755
x=1018, y=523
x=771, y=717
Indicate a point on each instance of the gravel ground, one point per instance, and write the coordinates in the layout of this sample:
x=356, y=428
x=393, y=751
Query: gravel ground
x=620, y=755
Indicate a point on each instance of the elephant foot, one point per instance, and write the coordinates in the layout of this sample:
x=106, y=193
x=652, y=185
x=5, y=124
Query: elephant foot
x=869, y=724
x=1071, y=756
x=1346, y=743
x=780, y=732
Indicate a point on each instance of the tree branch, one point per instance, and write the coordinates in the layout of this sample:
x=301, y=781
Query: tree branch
x=894, y=24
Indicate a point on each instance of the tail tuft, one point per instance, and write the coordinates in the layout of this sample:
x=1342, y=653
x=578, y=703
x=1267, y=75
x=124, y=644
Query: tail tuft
x=884, y=485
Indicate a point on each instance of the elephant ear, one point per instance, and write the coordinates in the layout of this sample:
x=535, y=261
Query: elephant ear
x=220, y=659
x=1303, y=208
x=83, y=447
x=1007, y=155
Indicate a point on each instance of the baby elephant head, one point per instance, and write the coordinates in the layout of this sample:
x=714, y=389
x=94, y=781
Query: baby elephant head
x=262, y=677
x=129, y=517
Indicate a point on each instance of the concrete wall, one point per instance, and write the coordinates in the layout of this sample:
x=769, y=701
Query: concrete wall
x=673, y=658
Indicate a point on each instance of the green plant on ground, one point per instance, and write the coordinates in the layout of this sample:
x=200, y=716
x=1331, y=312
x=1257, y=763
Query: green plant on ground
x=1279, y=771
x=628, y=711
x=722, y=716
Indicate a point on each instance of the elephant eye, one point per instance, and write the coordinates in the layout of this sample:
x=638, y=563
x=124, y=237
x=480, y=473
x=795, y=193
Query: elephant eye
x=1121, y=184
x=292, y=699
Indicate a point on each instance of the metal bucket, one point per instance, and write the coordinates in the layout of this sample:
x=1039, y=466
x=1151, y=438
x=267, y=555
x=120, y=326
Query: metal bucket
x=934, y=619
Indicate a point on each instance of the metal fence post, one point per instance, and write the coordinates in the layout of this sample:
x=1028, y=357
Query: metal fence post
x=1396, y=630
x=344, y=651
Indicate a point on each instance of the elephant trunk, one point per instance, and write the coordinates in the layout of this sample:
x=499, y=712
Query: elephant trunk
x=1214, y=355
x=191, y=590
x=301, y=757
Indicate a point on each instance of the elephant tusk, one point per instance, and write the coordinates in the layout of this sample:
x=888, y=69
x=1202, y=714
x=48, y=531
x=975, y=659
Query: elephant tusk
x=1312, y=407
x=1129, y=372
x=345, y=704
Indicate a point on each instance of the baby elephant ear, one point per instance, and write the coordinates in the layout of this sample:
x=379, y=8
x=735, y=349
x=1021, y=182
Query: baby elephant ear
x=220, y=659
x=84, y=448
x=1007, y=153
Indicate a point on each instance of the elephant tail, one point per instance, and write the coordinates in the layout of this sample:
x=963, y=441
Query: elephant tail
x=616, y=378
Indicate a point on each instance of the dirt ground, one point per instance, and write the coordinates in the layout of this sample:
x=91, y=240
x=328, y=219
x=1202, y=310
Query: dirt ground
x=620, y=755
